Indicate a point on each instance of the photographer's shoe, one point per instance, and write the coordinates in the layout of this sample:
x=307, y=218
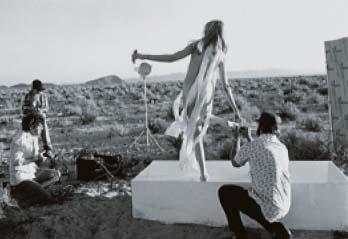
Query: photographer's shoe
x=280, y=231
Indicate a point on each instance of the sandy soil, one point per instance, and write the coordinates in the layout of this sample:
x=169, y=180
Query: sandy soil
x=99, y=217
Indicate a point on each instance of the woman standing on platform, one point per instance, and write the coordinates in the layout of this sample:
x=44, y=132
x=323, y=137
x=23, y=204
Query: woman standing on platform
x=207, y=58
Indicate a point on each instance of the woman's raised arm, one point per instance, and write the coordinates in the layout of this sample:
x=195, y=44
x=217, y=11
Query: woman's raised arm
x=165, y=57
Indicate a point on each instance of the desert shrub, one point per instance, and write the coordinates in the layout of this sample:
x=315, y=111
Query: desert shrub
x=158, y=126
x=176, y=142
x=165, y=98
x=89, y=111
x=314, y=85
x=135, y=95
x=284, y=83
x=254, y=95
x=5, y=122
x=323, y=91
x=325, y=106
x=227, y=147
x=6, y=103
x=246, y=110
x=70, y=109
x=150, y=94
x=54, y=95
x=294, y=97
x=340, y=158
x=288, y=112
x=241, y=102
x=139, y=108
x=253, y=85
x=287, y=91
x=240, y=91
x=250, y=113
x=117, y=130
x=306, y=145
x=295, y=86
x=169, y=113
x=88, y=117
x=310, y=123
x=305, y=89
x=304, y=81
x=341, y=153
x=225, y=152
x=313, y=99
x=221, y=107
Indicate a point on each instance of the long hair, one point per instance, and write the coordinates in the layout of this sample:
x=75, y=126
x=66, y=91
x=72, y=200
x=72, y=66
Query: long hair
x=213, y=31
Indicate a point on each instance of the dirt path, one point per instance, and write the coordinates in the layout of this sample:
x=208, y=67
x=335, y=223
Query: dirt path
x=87, y=218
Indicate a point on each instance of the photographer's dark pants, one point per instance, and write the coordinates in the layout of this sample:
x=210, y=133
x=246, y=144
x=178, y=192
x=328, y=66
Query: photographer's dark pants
x=45, y=135
x=234, y=200
x=29, y=193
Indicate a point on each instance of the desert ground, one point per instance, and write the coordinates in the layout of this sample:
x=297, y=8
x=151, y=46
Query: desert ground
x=102, y=118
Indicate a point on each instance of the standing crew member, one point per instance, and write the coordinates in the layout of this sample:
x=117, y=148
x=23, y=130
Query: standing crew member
x=36, y=103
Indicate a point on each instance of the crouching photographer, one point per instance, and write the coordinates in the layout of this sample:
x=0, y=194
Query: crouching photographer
x=268, y=199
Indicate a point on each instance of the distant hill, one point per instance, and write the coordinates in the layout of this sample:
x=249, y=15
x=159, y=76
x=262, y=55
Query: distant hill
x=20, y=86
x=50, y=85
x=237, y=74
x=273, y=72
x=3, y=87
x=28, y=86
x=157, y=78
x=106, y=80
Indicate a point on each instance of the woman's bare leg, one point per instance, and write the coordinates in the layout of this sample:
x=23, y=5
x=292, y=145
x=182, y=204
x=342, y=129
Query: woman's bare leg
x=200, y=156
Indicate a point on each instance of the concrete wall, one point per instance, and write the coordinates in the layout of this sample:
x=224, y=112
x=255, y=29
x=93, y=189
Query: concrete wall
x=161, y=192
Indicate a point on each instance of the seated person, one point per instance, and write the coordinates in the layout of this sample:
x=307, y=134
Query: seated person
x=268, y=199
x=28, y=181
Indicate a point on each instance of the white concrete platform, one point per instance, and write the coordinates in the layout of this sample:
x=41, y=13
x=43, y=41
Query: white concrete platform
x=319, y=195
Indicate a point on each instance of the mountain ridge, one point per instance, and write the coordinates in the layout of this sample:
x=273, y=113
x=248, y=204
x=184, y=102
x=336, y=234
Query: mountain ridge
x=180, y=76
x=274, y=72
x=104, y=80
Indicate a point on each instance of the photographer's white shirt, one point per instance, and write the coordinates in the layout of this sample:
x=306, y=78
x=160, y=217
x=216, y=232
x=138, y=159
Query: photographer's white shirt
x=269, y=170
x=24, y=154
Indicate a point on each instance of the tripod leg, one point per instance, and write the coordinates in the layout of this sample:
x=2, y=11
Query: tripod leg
x=156, y=142
x=147, y=136
x=136, y=140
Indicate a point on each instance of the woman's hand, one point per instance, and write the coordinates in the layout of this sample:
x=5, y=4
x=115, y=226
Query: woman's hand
x=135, y=56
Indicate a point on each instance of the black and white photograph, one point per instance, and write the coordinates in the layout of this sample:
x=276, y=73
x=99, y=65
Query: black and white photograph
x=183, y=119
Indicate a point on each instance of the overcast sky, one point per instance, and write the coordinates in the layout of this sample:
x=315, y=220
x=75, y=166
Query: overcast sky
x=65, y=41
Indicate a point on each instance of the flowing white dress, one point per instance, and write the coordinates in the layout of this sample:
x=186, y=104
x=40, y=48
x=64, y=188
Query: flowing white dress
x=194, y=124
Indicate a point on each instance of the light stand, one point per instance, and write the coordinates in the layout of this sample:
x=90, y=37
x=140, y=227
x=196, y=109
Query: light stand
x=144, y=69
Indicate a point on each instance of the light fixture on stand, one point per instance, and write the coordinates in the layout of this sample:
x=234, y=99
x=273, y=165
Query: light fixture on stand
x=144, y=70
